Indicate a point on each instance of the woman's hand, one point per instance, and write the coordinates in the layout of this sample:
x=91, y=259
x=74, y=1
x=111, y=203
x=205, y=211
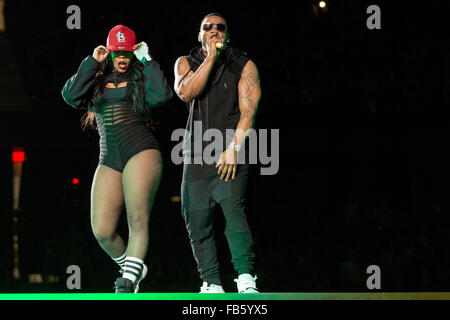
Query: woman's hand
x=141, y=52
x=100, y=53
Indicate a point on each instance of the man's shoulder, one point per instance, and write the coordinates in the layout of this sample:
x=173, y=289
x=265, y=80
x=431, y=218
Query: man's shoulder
x=238, y=59
x=182, y=60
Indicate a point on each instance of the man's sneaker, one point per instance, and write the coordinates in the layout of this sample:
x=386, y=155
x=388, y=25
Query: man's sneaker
x=123, y=285
x=246, y=283
x=212, y=288
x=142, y=275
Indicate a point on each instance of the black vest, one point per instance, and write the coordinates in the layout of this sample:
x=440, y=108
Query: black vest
x=217, y=107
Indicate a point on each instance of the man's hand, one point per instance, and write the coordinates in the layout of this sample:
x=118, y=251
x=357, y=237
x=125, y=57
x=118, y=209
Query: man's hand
x=100, y=53
x=227, y=164
x=212, y=49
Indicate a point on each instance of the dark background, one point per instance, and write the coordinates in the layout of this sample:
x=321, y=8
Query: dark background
x=362, y=116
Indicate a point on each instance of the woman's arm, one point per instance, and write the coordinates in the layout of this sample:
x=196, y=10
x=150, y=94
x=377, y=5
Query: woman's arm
x=157, y=89
x=78, y=89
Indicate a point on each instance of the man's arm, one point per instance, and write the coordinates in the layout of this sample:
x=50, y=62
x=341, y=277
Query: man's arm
x=249, y=90
x=190, y=85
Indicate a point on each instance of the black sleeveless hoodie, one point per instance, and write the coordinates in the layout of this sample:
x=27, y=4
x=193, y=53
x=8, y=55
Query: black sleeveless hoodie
x=217, y=107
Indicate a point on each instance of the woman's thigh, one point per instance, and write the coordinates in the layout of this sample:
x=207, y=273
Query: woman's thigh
x=107, y=198
x=141, y=178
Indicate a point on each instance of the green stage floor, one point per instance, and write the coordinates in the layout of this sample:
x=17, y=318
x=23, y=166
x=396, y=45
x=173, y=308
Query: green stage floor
x=232, y=296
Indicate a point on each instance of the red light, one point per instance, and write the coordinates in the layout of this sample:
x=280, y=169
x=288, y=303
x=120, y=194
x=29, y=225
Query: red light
x=18, y=154
x=75, y=180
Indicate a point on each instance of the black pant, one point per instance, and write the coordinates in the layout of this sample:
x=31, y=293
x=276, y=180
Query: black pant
x=198, y=199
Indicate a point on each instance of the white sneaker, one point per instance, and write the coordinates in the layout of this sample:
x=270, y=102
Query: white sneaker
x=142, y=275
x=246, y=283
x=212, y=288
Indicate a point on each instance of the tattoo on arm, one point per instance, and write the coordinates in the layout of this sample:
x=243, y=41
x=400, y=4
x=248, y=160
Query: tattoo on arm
x=246, y=96
x=178, y=65
x=182, y=82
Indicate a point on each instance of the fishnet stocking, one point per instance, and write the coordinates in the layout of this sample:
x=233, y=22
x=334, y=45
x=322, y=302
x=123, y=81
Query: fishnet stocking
x=135, y=188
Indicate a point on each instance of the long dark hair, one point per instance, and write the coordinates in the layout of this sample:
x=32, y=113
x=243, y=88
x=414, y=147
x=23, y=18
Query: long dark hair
x=135, y=92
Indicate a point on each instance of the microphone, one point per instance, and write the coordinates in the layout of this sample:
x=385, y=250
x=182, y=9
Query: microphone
x=220, y=45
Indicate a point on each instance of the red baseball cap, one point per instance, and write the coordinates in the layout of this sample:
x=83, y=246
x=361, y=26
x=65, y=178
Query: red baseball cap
x=121, y=38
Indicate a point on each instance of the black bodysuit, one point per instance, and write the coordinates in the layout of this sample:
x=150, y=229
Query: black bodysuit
x=122, y=133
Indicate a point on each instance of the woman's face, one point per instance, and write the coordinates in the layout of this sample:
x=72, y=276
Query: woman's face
x=121, y=60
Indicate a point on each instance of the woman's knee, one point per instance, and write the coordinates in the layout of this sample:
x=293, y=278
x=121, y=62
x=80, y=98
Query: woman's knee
x=138, y=219
x=103, y=233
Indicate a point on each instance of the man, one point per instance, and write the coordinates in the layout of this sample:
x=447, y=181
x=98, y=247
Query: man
x=222, y=89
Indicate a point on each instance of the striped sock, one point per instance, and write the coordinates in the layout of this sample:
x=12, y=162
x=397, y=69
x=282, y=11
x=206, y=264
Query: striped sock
x=132, y=269
x=121, y=260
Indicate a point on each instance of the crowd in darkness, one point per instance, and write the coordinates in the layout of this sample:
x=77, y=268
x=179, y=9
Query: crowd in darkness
x=363, y=123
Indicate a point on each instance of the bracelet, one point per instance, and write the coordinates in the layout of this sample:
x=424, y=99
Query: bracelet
x=235, y=146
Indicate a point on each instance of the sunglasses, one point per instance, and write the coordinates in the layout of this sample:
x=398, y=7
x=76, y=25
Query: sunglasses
x=219, y=26
x=128, y=54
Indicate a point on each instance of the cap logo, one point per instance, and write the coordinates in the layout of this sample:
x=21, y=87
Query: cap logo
x=120, y=37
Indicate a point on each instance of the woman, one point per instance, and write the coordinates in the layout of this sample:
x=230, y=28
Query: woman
x=119, y=94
